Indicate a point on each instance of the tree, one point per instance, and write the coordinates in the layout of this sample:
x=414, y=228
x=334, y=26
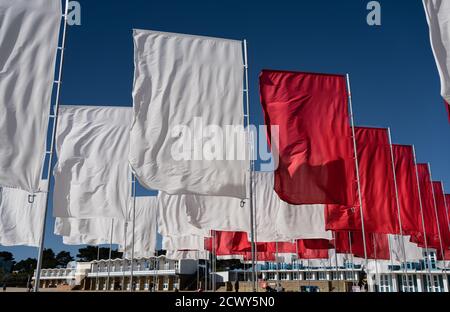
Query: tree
x=63, y=258
x=27, y=266
x=89, y=253
x=48, y=259
x=6, y=255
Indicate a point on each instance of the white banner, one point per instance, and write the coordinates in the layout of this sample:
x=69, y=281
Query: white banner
x=92, y=175
x=187, y=254
x=21, y=217
x=28, y=43
x=438, y=18
x=187, y=242
x=187, y=90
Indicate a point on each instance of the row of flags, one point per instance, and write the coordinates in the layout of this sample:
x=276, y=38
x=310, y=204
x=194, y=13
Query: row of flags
x=336, y=187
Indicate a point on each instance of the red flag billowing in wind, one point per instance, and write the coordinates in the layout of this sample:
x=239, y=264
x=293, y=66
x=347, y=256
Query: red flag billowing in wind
x=377, y=245
x=447, y=200
x=307, y=253
x=316, y=163
x=408, y=193
x=377, y=188
x=441, y=214
x=429, y=216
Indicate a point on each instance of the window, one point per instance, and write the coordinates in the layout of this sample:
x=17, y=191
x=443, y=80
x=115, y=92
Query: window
x=283, y=276
x=336, y=276
x=308, y=276
x=430, y=260
x=385, y=283
x=271, y=276
x=349, y=276
x=435, y=285
x=166, y=283
x=322, y=276
x=294, y=276
x=408, y=283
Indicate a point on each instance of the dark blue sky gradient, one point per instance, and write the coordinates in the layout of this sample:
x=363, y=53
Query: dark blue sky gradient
x=393, y=74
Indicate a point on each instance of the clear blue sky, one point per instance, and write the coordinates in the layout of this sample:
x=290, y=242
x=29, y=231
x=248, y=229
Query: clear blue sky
x=393, y=74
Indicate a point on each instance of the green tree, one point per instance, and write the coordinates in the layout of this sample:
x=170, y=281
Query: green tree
x=63, y=258
x=6, y=255
x=27, y=266
x=48, y=259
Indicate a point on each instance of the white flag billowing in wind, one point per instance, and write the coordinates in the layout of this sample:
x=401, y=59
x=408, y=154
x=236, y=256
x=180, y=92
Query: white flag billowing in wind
x=187, y=242
x=187, y=90
x=21, y=217
x=28, y=43
x=92, y=175
x=145, y=228
x=438, y=18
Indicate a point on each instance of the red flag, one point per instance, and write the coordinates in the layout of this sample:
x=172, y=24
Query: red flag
x=317, y=244
x=441, y=214
x=377, y=188
x=316, y=163
x=260, y=256
x=341, y=242
x=306, y=253
x=408, y=193
x=429, y=216
x=377, y=245
x=447, y=200
x=281, y=247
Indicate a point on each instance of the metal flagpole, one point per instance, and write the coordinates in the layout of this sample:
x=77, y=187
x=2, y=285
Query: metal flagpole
x=124, y=256
x=423, y=220
x=109, y=258
x=351, y=257
x=298, y=264
x=437, y=221
x=398, y=203
x=198, y=269
x=252, y=231
x=98, y=261
x=132, y=234
x=446, y=213
x=276, y=263
x=357, y=169
x=336, y=264
x=37, y=279
x=377, y=276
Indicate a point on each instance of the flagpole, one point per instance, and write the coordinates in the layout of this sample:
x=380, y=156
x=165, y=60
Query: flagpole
x=437, y=222
x=336, y=264
x=398, y=203
x=133, y=230
x=357, y=170
x=351, y=257
x=109, y=257
x=446, y=213
x=98, y=261
x=252, y=232
x=276, y=262
x=124, y=256
x=423, y=219
x=37, y=279
x=377, y=276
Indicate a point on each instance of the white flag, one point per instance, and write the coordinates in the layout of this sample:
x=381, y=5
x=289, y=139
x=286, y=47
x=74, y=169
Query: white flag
x=92, y=175
x=187, y=242
x=144, y=230
x=401, y=246
x=28, y=43
x=187, y=254
x=438, y=18
x=172, y=217
x=302, y=222
x=21, y=217
x=94, y=231
x=187, y=90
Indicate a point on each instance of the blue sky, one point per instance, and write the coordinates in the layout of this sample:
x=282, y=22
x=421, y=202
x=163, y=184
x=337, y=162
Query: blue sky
x=393, y=74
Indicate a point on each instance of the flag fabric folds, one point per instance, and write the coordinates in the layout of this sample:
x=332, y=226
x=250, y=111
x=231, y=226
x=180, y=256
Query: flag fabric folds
x=28, y=41
x=377, y=187
x=429, y=215
x=92, y=175
x=172, y=217
x=408, y=193
x=183, y=83
x=21, y=217
x=188, y=242
x=316, y=163
x=438, y=18
x=441, y=216
x=187, y=254
x=411, y=251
